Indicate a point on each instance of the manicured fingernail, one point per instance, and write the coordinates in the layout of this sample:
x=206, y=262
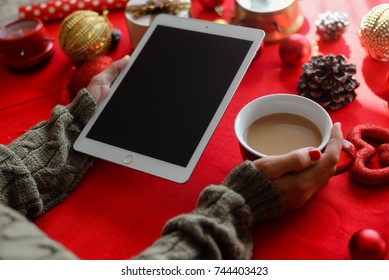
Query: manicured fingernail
x=314, y=154
x=338, y=124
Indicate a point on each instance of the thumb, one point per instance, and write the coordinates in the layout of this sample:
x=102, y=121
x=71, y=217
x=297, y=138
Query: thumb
x=112, y=71
x=100, y=84
x=276, y=166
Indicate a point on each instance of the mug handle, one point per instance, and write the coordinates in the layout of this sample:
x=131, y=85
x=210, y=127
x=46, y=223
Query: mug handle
x=351, y=152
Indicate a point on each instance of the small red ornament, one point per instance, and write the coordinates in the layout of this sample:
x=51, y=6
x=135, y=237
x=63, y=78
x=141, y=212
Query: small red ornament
x=367, y=244
x=86, y=71
x=295, y=50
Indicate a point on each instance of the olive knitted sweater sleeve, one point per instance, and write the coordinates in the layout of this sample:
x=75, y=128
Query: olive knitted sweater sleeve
x=39, y=169
x=220, y=226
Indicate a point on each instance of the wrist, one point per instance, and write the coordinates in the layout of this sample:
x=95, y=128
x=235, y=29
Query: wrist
x=82, y=107
x=263, y=198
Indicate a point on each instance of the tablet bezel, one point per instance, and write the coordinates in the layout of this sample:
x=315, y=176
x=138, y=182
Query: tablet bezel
x=155, y=166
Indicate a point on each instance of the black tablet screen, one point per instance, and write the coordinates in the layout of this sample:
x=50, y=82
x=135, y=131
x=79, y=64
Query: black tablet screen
x=170, y=94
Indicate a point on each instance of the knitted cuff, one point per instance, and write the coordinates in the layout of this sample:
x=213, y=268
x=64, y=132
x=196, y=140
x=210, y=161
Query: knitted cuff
x=82, y=107
x=265, y=200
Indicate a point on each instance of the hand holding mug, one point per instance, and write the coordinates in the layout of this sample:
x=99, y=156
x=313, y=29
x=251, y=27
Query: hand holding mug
x=302, y=173
x=301, y=149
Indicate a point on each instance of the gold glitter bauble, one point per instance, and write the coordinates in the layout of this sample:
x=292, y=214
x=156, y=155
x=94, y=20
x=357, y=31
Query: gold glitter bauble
x=85, y=34
x=374, y=32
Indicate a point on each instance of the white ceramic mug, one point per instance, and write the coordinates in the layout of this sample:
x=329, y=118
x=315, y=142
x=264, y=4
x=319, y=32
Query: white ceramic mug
x=292, y=104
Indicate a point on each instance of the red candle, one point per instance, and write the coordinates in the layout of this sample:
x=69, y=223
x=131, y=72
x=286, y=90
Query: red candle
x=24, y=43
x=18, y=29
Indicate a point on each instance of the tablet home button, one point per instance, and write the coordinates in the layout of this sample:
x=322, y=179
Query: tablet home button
x=128, y=159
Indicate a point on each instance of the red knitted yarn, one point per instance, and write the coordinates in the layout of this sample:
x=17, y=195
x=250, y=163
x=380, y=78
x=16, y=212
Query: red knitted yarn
x=359, y=135
x=85, y=72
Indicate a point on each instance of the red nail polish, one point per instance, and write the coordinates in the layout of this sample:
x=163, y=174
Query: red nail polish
x=314, y=154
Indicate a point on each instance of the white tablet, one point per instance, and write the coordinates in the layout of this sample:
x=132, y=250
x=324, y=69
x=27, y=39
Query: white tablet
x=164, y=106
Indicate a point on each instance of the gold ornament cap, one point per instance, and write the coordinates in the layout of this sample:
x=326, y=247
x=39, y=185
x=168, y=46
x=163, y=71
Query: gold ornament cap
x=85, y=34
x=374, y=32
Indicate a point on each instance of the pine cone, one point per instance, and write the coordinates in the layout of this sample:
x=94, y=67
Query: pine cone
x=331, y=26
x=328, y=81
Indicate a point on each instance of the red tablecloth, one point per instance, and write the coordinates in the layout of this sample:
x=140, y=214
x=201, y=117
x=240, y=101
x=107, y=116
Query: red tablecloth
x=117, y=212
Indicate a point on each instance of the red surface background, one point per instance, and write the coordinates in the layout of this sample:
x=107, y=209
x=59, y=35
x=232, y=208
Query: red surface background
x=117, y=212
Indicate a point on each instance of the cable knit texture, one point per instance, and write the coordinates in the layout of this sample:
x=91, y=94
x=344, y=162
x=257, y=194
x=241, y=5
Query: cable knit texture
x=39, y=169
x=21, y=239
x=220, y=226
x=265, y=201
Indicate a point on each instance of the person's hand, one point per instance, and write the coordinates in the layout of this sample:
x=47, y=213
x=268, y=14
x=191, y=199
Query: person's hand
x=302, y=173
x=100, y=84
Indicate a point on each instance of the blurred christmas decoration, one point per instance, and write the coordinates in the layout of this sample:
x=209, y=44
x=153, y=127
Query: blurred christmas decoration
x=278, y=18
x=294, y=50
x=116, y=35
x=372, y=143
x=374, y=32
x=157, y=6
x=328, y=81
x=140, y=13
x=331, y=26
x=367, y=244
x=59, y=9
x=85, y=34
x=84, y=72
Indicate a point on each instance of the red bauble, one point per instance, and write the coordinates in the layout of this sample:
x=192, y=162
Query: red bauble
x=294, y=50
x=86, y=71
x=367, y=244
x=211, y=4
